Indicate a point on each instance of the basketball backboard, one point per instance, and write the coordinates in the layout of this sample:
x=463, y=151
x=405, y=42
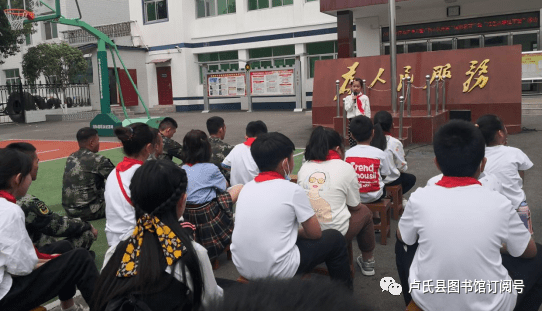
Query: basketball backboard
x=42, y=7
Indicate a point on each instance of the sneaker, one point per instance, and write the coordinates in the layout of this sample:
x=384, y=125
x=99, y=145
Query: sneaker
x=367, y=267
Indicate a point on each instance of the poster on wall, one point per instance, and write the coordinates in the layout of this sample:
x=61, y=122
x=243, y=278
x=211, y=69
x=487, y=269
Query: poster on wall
x=226, y=85
x=531, y=65
x=273, y=82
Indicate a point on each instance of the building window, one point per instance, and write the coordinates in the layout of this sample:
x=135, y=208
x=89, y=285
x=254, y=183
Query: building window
x=155, y=10
x=326, y=50
x=218, y=61
x=12, y=76
x=467, y=43
x=50, y=30
x=264, y=4
x=495, y=41
x=272, y=56
x=440, y=45
x=28, y=39
x=215, y=7
x=527, y=40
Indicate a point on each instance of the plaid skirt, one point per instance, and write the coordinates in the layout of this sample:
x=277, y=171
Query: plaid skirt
x=214, y=223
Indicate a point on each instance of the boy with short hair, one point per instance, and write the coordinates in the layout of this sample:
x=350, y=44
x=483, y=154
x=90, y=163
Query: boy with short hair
x=171, y=148
x=454, y=243
x=219, y=148
x=45, y=227
x=239, y=161
x=267, y=240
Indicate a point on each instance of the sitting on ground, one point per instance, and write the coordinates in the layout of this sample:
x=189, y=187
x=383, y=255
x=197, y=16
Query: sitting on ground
x=172, y=148
x=46, y=228
x=83, y=183
x=267, y=241
x=239, y=161
x=219, y=149
x=209, y=203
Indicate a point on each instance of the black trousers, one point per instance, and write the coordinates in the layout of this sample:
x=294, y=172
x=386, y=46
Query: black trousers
x=331, y=248
x=58, y=277
x=407, y=181
x=58, y=247
x=527, y=270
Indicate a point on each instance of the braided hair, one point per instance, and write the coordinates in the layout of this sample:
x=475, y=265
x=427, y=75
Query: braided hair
x=156, y=188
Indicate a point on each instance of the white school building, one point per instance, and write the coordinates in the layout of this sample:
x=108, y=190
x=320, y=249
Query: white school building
x=164, y=43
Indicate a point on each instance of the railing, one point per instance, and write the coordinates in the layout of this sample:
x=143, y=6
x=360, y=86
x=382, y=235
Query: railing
x=15, y=99
x=112, y=31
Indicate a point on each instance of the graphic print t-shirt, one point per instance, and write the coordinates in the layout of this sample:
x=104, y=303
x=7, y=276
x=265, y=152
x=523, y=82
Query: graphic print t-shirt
x=370, y=165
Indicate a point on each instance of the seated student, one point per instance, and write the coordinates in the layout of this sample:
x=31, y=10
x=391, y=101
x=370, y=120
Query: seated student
x=332, y=188
x=29, y=278
x=45, y=227
x=395, y=153
x=84, y=178
x=219, y=148
x=455, y=245
x=209, y=204
x=239, y=161
x=370, y=163
x=137, y=140
x=167, y=128
x=267, y=240
x=506, y=163
x=158, y=265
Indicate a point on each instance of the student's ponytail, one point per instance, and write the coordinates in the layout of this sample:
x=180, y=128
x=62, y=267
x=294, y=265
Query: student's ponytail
x=135, y=137
x=379, y=140
x=489, y=125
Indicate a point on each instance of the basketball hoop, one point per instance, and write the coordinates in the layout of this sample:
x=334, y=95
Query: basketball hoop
x=16, y=17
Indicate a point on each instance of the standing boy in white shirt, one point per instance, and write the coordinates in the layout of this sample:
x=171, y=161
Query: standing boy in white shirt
x=239, y=161
x=267, y=240
x=455, y=244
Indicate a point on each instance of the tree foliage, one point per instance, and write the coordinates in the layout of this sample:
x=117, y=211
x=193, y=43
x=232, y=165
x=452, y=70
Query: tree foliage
x=58, y=63
x=11, y=40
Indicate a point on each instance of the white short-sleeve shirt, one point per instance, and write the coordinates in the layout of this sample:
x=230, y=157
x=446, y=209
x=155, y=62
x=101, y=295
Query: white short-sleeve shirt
x=120, y=215
x=396, y=159
x=370, y=165
x=331, y=186
x=267, y=218
x=505, y=162
x=242, y=165
x=454, y=245
x=17, y=254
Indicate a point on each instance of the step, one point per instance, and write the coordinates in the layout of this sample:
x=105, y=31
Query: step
x=89, y=115
x=532, y=112
x=531, y=106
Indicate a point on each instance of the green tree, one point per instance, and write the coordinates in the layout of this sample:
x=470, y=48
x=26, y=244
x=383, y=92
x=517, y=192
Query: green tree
x=11, y=40
x=58, y=63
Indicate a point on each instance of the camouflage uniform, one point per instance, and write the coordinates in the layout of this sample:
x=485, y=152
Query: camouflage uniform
x=45, y=227
x=83, y=185
x=219, y=151
x=171, y=149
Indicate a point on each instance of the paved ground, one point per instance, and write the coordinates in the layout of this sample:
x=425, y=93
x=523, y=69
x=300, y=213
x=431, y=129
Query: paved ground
x=297, y=126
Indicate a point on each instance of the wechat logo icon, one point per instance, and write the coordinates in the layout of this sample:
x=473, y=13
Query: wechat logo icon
x=390, y=285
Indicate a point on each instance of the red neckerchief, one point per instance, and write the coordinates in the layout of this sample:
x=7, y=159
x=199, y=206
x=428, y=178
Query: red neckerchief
x=43, y=255
x=8, y=196
x=249, y=141
x=450, y=182
x=127, y=163
x=190, y=165
x=267, y=176
x=359, y=103
x=387, y=133
x=124, y=165
x=331, y=155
